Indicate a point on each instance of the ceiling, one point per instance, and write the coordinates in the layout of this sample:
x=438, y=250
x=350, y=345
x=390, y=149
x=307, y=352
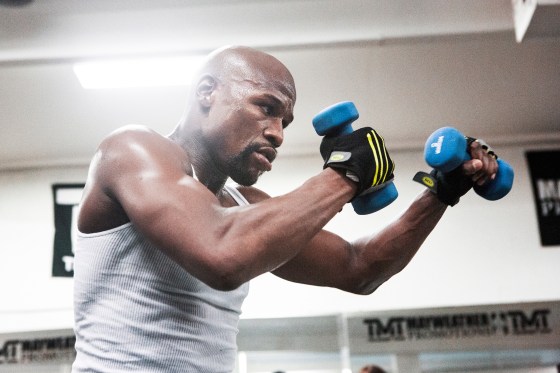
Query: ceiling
x=410, y=67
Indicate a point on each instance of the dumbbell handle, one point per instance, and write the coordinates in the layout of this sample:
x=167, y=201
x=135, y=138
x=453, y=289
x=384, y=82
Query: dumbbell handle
x=336, y=120
x=446, y=149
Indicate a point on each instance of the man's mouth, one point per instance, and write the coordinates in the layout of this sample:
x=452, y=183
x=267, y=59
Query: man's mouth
x=266, y=155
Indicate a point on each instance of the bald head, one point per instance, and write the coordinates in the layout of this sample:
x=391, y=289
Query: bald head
x=243, y=64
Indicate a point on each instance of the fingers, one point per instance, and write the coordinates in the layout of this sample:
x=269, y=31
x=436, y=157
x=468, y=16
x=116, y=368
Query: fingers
x=483, y=166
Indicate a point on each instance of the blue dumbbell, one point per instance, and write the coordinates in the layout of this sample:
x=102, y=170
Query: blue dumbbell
x=446, y=149
x=337, y=120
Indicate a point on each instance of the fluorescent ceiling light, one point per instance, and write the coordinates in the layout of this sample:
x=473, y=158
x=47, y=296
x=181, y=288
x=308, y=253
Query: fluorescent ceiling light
x=148, y=72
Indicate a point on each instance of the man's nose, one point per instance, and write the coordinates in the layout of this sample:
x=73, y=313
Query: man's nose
x=274, y=132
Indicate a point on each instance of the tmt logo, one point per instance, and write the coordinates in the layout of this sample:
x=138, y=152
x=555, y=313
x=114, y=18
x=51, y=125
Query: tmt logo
x=393, y=330
x=460, y=325
x=518, y=323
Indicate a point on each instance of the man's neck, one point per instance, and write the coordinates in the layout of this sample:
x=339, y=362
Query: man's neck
x=213, y=180
x=200, y=161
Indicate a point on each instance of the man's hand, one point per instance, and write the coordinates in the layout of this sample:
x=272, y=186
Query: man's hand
x=450, y=186
x=483, y=166
x=362, y=154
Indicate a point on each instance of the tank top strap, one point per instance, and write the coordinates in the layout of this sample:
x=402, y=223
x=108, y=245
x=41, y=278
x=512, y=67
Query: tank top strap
x=236, y=195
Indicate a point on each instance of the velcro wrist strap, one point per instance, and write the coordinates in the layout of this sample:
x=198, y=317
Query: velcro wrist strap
x=437, y=185
x=427, y=180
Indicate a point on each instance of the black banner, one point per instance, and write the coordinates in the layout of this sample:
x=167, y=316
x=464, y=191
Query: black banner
x=66, y=198
x=544, y=167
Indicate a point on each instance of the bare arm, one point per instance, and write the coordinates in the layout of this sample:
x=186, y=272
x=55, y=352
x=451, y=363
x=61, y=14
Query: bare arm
x=363, y=265
x=223, y=247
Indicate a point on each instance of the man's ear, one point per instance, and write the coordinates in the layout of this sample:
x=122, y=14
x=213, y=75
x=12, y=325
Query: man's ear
x=206, y=86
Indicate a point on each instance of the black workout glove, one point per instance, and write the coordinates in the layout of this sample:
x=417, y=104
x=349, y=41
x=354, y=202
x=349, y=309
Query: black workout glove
x=448, y=187
x=362, y=154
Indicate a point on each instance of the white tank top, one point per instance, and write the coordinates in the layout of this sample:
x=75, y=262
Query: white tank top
x=136, y=310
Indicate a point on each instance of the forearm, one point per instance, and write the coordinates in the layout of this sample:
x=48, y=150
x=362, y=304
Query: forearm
x=271, y=232
x=383, y=255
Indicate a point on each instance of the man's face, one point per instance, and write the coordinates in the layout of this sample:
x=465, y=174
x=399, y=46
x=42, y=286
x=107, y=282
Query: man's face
x=249, y=117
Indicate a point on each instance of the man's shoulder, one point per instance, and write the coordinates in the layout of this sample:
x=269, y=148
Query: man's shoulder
x=138, y=145
x=133, y=131
x=134, y=138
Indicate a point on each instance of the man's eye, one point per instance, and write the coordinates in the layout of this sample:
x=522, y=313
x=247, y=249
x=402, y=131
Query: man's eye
x=267, y=109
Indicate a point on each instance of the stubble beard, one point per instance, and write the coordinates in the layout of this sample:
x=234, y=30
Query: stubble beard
x=238, y=168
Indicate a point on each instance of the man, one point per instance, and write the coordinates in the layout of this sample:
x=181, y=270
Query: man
x=166, y=250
